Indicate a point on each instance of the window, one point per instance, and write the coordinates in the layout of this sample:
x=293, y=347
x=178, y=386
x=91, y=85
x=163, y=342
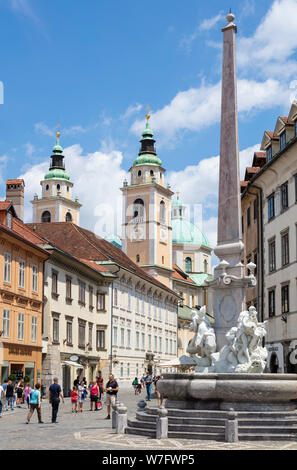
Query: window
x=284, y=196
x=90, y=336
x=271, y=255
x=81, y=335
x=271, y=211
x=34, y=329
x=81, y=292
x=68, y=287
x=170, y=346
x=100, y=301
x=128, y=369
x=205, y=266
x=142, y=341
x=58, y=187
x=139, y=173
x=271, y=303
x=128, y=338
x=100, y=339
x=34, y=278
x=47, y=187
x=91, y=297
x=282, y=140
x=137, y=339
x=21, y=323
x=122, y=337
x=115, y=335
x=69, y=333
x=160, y=345
x=166, y=345
x=188, y=262
x=122, y=370
x=22, y=266
x=115, y=297
x=68, y=217
x=55, y=330
x=162, y=212
x=137, y=258
x=6, y=323
x=46, y=216
x=54, y=282
x=149, y=342
x=269, y=153
x=285, y=299
x=285, y=249
x=248, y=216
x=7, y=267
x=155, y=344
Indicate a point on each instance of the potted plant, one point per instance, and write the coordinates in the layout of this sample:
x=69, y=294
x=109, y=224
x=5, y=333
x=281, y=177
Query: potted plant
x=12, y=377
x=27, y=379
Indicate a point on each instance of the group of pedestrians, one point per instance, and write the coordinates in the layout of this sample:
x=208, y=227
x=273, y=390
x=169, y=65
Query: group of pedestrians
x=147, y=381
x=12, y=396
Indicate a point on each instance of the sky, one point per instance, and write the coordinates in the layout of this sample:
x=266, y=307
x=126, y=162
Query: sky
x=92, y=68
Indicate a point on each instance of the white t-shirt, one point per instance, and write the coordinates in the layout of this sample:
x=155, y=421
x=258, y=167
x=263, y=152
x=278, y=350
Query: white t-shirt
x=2, y=393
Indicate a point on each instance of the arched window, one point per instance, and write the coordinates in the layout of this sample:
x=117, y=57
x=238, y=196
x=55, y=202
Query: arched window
x=162, y=211
x=138, y=208
x=188, y=265
x=139, y=173
x=46, y=216
x=137, y=258
x=205, y=266
x=68, y=217
x=152, y=173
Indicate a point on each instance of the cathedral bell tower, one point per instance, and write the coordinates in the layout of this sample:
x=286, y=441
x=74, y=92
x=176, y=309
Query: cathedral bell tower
x=147, y=212
x=56, y=204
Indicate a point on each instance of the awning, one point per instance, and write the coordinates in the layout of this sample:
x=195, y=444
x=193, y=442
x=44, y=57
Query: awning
x=74, y=364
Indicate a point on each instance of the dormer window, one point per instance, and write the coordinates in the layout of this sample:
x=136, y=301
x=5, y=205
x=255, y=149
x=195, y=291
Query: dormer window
x=283, y=140
x=9, y=220
x=269, y=153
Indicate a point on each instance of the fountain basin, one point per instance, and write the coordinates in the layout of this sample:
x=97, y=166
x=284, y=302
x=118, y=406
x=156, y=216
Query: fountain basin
x=266, y=392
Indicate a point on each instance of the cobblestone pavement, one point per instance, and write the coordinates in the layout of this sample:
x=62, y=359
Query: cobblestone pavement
x=90, y=431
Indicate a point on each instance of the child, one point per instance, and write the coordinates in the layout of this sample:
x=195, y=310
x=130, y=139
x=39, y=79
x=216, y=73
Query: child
x=81, y=395
x=28, y=390
x=74, y=397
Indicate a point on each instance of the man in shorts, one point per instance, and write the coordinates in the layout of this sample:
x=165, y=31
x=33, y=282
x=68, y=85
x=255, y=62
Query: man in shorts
x=111, y=389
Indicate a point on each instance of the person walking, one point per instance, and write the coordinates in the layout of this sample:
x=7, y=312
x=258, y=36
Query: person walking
x=100, y=383
x=35, y=404
x=28, y=390
x=148, y=383
x=9, y=395
x=81, y=395
x=112, y=389
x=19, y=393
x=94, y=396
x=135, y=384
x=159, y=394
x=74, y=398
x=55, y=393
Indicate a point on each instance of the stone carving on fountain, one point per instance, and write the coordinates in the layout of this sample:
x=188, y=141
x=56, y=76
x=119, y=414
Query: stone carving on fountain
x=243, y=352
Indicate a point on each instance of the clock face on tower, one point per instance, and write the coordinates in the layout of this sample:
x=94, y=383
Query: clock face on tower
x=137, y=232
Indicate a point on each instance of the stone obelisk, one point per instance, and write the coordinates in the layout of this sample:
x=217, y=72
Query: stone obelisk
x=230, y=281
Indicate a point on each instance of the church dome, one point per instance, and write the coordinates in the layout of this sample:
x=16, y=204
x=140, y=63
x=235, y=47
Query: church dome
x=185, y=232
x=57, y=173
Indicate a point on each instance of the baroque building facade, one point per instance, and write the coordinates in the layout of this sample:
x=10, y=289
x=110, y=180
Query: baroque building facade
x=276, y=182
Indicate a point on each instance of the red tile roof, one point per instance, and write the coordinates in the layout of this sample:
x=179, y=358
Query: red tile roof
x=4, y=205
x=180, y=275
x=15, y=181
x=86, y=245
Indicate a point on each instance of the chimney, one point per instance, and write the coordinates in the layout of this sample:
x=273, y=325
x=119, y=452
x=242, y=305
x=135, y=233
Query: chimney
x=15, y=193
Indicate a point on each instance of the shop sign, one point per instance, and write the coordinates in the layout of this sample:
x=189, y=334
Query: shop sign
x=19, y=350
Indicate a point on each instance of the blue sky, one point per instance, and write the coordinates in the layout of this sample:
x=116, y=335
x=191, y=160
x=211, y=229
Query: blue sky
x=93, y=67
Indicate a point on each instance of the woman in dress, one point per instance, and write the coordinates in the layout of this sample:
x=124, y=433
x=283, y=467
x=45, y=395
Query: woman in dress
x=81, y=395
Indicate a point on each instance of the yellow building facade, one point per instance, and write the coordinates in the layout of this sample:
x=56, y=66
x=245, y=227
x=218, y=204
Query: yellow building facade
x=21, y=298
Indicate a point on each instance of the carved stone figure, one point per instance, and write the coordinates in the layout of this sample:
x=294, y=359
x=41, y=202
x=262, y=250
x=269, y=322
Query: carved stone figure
x=203, y=344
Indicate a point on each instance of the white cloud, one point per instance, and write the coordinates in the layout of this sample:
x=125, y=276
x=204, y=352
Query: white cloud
x=41, y=127
x=30, y=149
x=268, y=50
x=97, y=178
x=211, y=22
x=132, y=109
x=198, y=108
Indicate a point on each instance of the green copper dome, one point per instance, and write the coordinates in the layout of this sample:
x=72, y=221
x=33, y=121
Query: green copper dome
x=185, y=232
x=147, y=159
x=114, y=239
x=57, y=173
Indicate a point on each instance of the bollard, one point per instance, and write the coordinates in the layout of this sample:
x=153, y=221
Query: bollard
x=162, y=423
x=114, y=415
x=121, y=419
x=231, y=429
x=142, y=405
